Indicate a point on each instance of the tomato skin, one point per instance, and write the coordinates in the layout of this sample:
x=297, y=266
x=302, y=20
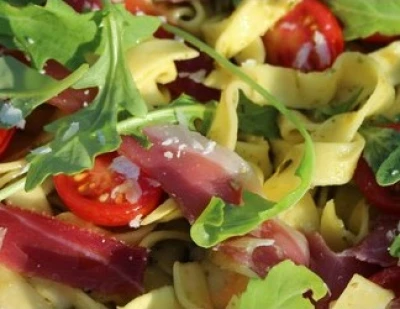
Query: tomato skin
x=82, y=194
x=5, y=138
x=308, y=38
x=384, y=198
x=82, y=5
x=145, y=6
x=388, y=278
x=380, y=39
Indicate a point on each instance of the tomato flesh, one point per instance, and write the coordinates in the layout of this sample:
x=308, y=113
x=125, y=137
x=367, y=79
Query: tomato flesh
x=308, y=38
x=145, y=6
x=5, y=138
x=102, y=195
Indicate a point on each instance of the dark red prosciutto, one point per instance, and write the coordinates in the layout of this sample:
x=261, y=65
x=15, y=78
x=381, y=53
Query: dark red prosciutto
x=335, y=269
x=191, y=168
x=42, y=246
x=265, y=247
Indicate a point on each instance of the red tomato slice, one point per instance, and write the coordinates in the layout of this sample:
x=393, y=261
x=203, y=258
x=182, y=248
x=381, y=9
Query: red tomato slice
x=308, y=38
x=84, y=5
x=5, y=138
x=380, y=39
x=146, y=6
x=107, y=197
x=385, y=198
x=388, y=278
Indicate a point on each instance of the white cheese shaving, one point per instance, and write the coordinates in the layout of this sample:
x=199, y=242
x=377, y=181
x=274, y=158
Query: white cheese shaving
x=135, y=222
x=197, y=76
x=125, y=167
x=168, y=154
x=12, y=116
x=131, y=190
x=249, y=63
x=41, y=150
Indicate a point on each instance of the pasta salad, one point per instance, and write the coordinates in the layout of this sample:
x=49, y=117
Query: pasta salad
x=199, y=154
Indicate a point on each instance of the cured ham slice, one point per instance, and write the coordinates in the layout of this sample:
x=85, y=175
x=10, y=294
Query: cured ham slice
x=190, y=167
x=43, y=246
x=263, y=248
x=335, y=269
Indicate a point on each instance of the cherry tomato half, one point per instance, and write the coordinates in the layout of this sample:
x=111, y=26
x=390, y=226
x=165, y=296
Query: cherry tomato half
x=385, y=198
x=5, y=138
x=101, y=195
x=380, y=39
x=308, y=38
x=388, y=278
x=84, y=5
x=146, y=6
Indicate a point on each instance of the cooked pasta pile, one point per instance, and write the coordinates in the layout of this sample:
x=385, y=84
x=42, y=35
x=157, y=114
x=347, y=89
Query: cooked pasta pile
x=245, y=195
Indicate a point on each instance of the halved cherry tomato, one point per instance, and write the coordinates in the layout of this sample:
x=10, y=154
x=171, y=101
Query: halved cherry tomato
x=388, y=278
x=101, y=195
x=84, y=5
x=380, y=39
x=385, y=198
x=308, y=38
x=146, y=6
x=5, y=138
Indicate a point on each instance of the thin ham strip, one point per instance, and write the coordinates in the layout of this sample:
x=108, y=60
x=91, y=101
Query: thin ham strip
x=190, y=167
x=264, y=247
x=43, y=246
x=335, y=269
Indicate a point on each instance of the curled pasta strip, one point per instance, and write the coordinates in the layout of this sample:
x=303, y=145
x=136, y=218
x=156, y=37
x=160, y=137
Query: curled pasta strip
x=16, y=292
x=157, y=236
x=35, y=200
x=163, y=213
x=303, y=216
x=336, y=233
x=152, y=63
x=189, y=16
x=63, y=296
x=388, y=60
x=248, y=22
x=191, y=293
x=163, y=297
x=256, y=151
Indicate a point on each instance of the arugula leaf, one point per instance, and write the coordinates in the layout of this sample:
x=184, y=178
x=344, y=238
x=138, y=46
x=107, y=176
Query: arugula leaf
x=26, y=89
x=382, y=152
x=394, y=249
x=184, y=109
x=54, y=31
x=127, y=31
x=257, y=119
x=286, y=284
x=219, y=220
x=363, y=18
x=78, y=138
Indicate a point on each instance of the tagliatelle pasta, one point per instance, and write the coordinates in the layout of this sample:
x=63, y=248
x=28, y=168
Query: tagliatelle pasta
x=198, y=155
